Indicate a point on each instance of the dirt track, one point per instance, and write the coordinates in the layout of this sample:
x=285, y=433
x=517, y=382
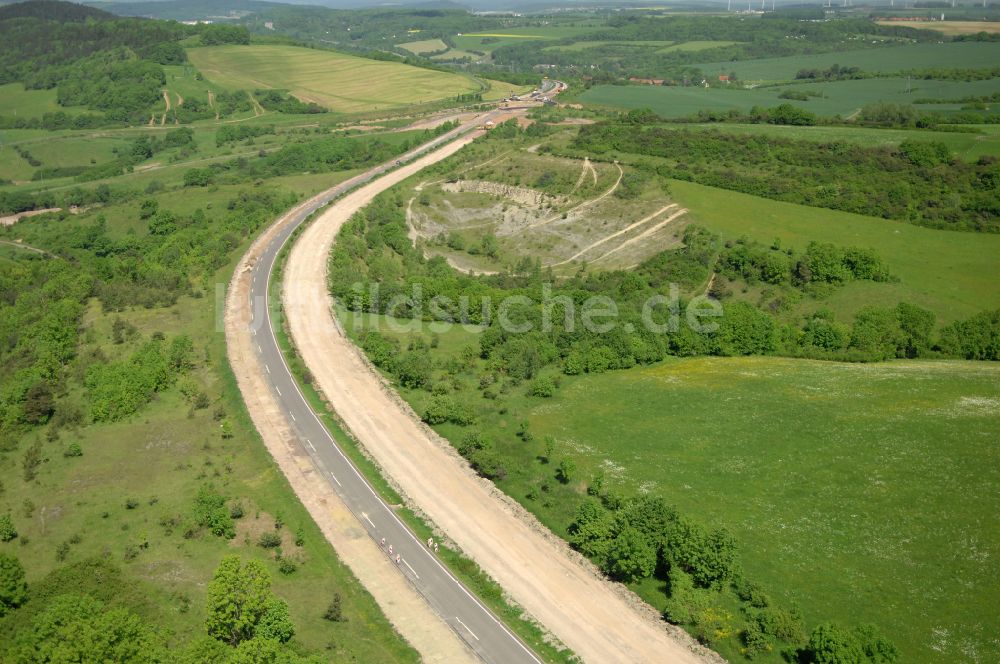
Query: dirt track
x=600, y=621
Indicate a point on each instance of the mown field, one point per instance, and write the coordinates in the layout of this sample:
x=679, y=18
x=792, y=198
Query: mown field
x=831, y=98
x=952, y=273
x=860, y=493
x=886, y=59
x=339, y=82
x=424, y=46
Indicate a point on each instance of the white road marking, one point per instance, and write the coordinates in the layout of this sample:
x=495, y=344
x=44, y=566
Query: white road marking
x=467, y=628
x=268, y=368
x=309, y=443
x=293, y=416
x=365, y=516
x=259, y=349
x=278, y=390
x=418, y=576
x=335, y=479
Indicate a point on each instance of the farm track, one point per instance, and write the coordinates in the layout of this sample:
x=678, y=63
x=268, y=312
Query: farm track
x=166, y=100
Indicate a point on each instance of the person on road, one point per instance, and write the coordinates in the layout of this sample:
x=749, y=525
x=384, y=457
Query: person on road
x=383, y=542
x=398, y=558
x=390, y=549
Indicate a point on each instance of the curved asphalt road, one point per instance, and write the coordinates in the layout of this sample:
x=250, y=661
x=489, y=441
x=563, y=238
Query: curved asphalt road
x=474, y=623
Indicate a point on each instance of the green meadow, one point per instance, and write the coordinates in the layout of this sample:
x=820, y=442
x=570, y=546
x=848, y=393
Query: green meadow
x=15, y=100
x=951, y=273
x=859, y=493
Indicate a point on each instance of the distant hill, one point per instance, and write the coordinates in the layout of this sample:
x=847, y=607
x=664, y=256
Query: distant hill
x=187, y=10
x=52, y=10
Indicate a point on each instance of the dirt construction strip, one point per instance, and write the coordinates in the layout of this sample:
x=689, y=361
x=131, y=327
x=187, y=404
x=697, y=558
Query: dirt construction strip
x=613, y=235
x=405, y=608
x=599, y=620
x=646, y=233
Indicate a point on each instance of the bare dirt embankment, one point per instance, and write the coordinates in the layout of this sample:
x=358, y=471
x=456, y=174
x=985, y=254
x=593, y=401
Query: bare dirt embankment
x=402, y=605
x=599, y=620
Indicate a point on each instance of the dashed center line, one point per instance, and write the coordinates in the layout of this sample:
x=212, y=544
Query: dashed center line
x=467, y=628
x=335, y=479
x=415, y=574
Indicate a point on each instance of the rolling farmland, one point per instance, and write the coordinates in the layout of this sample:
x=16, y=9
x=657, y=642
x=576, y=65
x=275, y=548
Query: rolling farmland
x=833, y=98
x=886, y=59
x=339, y=82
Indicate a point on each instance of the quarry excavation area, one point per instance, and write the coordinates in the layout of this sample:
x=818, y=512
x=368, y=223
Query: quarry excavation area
x=587, y=224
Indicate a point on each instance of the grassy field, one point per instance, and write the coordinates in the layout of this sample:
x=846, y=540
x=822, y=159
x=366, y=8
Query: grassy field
x=834, y=98
x=892, y=58
x=339, y=82
x=158, y=459
x=15, y=100
x=425, y=46
x=584, y=45
x=950, y=28
x=951, y=273
x=696, y=46
x=967, y=146
x=874, y=503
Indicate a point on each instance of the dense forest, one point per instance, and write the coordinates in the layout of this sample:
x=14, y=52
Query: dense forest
x=917, y=181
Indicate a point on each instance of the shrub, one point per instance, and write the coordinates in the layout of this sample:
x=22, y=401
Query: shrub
x=543, y=386
x=7, y=530
x=73, y=450
x=269, y=540
x=286, y=565
x=210, y=512
x=334, y=612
